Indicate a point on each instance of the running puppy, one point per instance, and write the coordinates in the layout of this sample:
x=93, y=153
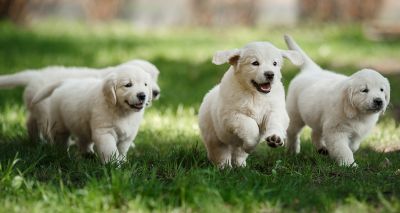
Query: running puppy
x=35, y=80
x=341, y=110
x=104, y=111
x=248, y=105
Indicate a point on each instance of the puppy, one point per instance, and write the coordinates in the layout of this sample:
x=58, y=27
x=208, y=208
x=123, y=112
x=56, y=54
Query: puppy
x=340, y=110
x=35, y=80
x=106, y=112
x=247, y=106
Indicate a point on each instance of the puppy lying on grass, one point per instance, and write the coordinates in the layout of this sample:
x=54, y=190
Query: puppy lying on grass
x=35, y=80
x=104, y=111
x=247, y=106
x=340, y=110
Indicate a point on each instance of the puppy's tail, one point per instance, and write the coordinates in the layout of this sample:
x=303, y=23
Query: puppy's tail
x=308, y=64
x=45, y=92
x=17, y=79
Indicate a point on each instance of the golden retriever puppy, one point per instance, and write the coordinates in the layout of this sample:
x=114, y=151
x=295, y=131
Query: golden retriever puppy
x=104, y=111
x=247, y=106
x=341, y=110
x=35, y=80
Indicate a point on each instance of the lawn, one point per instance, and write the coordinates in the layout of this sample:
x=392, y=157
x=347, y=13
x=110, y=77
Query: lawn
x=168, y=170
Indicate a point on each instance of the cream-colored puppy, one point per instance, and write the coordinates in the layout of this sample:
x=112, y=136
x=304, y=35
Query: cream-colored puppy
x=247, y=106
x=106, y=111
x=35, y=80
x=341, y=110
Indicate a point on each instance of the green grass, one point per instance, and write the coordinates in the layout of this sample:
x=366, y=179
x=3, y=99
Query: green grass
x=168, y=170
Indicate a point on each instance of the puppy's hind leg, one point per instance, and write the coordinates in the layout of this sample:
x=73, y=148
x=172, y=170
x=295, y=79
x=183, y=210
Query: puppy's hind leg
x=220, y=154
x=33, y=128
x=316, y=138
x=60, y=139
x=85, y=146
x=59, y=135
x=293, y=134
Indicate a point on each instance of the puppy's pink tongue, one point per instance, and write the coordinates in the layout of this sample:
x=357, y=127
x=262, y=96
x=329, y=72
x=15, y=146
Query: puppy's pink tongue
x=265, y=87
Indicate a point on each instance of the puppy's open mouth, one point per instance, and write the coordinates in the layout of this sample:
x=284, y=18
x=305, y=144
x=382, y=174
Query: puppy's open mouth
x=264, y=87
x=137, y=106
x=375, y=109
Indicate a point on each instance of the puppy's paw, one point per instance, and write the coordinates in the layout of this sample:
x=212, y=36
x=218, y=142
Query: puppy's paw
x=349, y=164
x=241, y=164
x=274, y=141
x=224, y=165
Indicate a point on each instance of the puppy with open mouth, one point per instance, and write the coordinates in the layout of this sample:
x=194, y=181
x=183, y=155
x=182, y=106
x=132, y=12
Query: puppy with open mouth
x=105, y=111
x=35, y=80
x=341, y=110
x=247, y=106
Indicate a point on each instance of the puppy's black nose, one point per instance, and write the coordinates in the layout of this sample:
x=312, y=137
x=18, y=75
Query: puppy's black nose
x=378, y=102
x=141, y=96
x=269, y=75
x=155, y=93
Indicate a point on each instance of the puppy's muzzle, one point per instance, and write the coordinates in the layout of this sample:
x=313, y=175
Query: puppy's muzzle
x=269, y=75
x=266, y=86
x=377, y=104
x=141, y=96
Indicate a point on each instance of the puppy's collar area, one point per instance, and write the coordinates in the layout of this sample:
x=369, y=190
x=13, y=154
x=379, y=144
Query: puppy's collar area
x=263, y=88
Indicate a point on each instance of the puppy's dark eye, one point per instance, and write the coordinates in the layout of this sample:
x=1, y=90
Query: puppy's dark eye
x=145, y=84
x=128, y=85
x=381, y=89
x=274, y=63
x=366, y=90
x=255, y=63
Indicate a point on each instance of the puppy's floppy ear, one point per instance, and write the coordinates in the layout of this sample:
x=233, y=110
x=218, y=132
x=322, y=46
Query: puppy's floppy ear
x=347, y=98
x=110, y=87
x=294, y=56
x=224, y=56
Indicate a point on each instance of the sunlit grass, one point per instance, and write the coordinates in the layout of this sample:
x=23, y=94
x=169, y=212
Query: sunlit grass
x=182, y=121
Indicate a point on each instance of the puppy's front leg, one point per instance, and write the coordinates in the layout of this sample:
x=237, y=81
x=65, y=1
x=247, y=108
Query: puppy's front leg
x=106, y=147
x=123, y=148
x=246, y=129
x=276, y=126
x=338, y=148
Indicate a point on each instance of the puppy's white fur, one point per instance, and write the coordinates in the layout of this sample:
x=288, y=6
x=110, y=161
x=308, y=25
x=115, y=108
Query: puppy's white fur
x=341, y=110
x=106, y=111
x=35, y=80
x=234, y=116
